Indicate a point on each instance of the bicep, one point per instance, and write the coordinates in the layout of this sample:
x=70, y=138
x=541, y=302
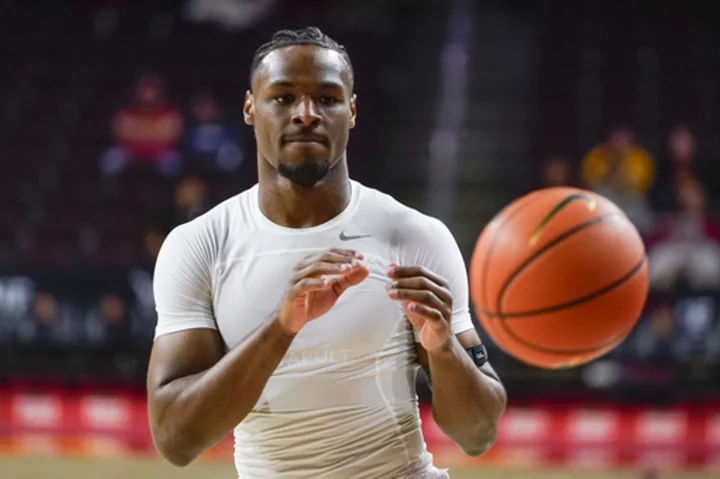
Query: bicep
x=186, y=338
x=177, y=360
x=182, y=354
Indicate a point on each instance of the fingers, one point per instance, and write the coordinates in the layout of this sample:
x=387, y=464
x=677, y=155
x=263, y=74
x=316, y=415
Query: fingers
x=425, y=300
x=330, y=262
x=424, y=315
x=424, y=292
x=421, y=284
x=399, y=272
x=308, y=285
x=353, y=277
x=334, y=255
x=315, y=270
x=426, y=311
x=338, y=269
x=423, y=289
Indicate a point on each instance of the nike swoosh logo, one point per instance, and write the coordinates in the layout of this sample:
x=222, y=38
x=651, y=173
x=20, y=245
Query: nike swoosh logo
x=344, y=237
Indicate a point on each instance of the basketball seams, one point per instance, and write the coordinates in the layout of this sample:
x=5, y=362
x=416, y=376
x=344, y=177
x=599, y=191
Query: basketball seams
x=562, y=355
x=564, y=352
x=557, y=240
x=556, y=211
x=547, y=247
x=574, y=302
x=520, y=207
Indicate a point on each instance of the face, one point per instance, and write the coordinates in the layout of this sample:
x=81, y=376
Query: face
x=557, y=172
x=190, y=193
x=113, y=308
x=682, y=144
x=622, y=139
x=205, y=110
x=663, y=322
x=148, y=92
x=45, y=307
x=302, y=108
x=153, y=241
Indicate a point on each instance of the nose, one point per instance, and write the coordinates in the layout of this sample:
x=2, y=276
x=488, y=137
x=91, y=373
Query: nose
x=306, y=113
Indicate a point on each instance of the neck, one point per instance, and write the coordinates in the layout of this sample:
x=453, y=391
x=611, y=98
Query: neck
x=292, y=206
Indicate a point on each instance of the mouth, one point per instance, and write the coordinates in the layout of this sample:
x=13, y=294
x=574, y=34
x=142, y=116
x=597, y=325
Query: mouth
x=306, y=139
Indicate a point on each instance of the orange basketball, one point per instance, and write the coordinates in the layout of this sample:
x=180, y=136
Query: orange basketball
x=559, y=277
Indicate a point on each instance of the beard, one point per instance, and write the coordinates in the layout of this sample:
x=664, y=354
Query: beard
x=305, y=175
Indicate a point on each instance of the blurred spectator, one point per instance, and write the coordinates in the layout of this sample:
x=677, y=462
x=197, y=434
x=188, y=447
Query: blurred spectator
x=622, y=171
x=152, y=241
x=557, y=171
x=147, y=131
x=231, y=14
x=654, y=337
x=108, y=324
x=696, y=320
x=685, y=245
x=190, y=200
x=211, y=144
x=679, y=165
x=43, y=325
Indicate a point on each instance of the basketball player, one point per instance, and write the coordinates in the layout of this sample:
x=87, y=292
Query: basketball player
x=299, y=311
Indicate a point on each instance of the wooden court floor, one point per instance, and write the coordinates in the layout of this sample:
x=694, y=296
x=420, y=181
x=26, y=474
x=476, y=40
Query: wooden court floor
x=69, y=468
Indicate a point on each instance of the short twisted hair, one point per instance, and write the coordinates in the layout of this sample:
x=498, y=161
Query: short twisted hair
x=304, y=36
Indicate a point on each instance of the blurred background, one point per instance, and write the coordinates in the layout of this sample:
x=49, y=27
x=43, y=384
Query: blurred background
x=121, y=119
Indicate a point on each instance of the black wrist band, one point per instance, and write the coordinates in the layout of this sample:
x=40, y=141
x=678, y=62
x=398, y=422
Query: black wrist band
x=478, y=355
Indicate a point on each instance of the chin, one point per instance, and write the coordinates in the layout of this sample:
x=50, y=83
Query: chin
x=305, y=173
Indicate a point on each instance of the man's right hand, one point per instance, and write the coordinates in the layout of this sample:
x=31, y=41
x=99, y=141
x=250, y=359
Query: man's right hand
x=316, y=284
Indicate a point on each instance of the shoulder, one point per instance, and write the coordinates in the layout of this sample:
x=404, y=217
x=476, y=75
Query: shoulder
x=206, y=235
x=405, y=227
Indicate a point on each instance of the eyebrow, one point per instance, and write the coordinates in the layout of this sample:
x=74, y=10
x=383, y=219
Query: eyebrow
x=328, y=85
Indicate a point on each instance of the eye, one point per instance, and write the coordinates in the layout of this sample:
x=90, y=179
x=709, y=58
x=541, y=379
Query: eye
x=285, y=99
x=328, y=100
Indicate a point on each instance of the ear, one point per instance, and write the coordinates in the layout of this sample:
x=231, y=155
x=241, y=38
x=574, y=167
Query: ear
x=249, y=109
x=353, y=110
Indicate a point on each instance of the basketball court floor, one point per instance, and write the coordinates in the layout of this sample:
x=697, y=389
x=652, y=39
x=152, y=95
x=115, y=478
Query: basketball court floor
x=67, y=468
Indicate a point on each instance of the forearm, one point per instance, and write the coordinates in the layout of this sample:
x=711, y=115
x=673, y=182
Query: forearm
x=466, y=403
x=194, y=412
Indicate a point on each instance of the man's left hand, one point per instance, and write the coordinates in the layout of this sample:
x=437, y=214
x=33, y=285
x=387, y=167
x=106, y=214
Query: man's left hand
x=427, y=302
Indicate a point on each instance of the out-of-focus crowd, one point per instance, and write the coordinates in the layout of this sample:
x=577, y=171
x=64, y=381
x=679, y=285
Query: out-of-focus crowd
x=106, y=309
x=670, y=197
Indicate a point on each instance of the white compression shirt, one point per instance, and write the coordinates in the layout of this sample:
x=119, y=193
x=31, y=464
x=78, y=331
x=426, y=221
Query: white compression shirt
x=342, y=403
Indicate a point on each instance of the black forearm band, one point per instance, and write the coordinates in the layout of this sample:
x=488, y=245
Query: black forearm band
x=478, y=355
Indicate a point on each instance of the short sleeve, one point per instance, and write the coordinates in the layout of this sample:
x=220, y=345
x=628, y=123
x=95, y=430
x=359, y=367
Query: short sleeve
x=182, y=282
x=435, y=248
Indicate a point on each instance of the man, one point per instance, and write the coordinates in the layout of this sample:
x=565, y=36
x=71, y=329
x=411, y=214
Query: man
x=622, y=171
x=287, y=311
x=148, y=130
x=211, y=144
